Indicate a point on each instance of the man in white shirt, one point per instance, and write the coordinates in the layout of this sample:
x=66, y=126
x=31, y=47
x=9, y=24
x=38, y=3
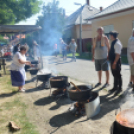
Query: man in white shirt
x=36, y=51
x=130, y=55
x=115, y=60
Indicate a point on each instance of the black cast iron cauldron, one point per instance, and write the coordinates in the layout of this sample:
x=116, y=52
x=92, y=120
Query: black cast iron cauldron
x=27, y=67
x=125, y=127
x=33, y=71
x=80, y=96
x=59, y=82
x=43, y=77
x=119, y=129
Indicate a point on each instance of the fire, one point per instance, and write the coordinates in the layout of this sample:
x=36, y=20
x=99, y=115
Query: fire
x=121, y=120
x=126, y=118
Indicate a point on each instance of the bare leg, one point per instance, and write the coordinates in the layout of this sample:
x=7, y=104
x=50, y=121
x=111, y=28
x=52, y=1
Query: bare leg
x=20, y=87
x=131, y=78
x=107, y=77
x=99, y=76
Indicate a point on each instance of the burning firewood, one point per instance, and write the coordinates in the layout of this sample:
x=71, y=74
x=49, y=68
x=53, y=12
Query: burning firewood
x=59, y=91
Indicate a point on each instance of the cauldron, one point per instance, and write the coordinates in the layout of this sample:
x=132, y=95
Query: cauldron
x=27, y=67
x=122, y=125
x=59, y=82
x=80, y=96
x=33, y=71
x=43, y=77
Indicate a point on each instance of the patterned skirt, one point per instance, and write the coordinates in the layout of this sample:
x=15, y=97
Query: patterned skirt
x=18, y=77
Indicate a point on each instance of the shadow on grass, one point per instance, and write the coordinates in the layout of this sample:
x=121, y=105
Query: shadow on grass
x=33, y=90
x=8, y=94
x=48, y=100
x=62, y=119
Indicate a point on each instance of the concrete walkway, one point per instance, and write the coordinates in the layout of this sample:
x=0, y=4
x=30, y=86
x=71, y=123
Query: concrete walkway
x=82, y=70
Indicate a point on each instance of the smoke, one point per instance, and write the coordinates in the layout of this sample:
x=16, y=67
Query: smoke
x=52, y=23
x=127, y=101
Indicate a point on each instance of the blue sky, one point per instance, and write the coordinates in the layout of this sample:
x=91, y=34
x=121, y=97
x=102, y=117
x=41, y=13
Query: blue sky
x=70, y=7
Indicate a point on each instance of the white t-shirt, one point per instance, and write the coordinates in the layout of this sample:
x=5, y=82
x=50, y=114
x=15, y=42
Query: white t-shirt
x=15, y=64
x=36, y=52
x=130, y=49
x=73, y=47
x=118, y=47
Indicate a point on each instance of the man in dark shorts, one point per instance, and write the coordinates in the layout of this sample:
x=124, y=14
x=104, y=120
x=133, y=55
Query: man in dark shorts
x=100, y=54
x=115, y=61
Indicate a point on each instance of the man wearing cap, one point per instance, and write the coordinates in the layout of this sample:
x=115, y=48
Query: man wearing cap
x=130, y=55
x=115, y=60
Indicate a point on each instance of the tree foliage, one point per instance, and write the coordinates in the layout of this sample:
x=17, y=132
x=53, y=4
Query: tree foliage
x=13, y=11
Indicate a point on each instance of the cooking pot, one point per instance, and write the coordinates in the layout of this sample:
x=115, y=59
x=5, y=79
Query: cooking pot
x=80, y=96
x=27, y=67
x=43, y=77
x=59, y=82
x=33, y=71
x=124, y=123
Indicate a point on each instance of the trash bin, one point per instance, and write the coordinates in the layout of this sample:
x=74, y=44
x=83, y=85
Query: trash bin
x=93, y=107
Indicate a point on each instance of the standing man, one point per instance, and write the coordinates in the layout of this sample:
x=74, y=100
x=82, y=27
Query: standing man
x=130, y=55
x=73, y=48
x=100, y=54
x=36, y=51
x=64, y=50
x=115, y=60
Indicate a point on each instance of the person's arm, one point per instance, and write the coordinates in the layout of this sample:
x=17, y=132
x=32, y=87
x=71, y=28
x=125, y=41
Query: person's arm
x=107, y=43
x=118, y=48
x=24, y=62
x=132, y=55
x=131, y=48
x=76, y=47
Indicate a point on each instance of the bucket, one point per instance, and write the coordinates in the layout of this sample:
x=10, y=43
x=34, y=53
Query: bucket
x=93, y=107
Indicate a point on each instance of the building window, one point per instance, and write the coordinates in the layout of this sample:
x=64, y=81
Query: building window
x=108, y=29
x=133, y=23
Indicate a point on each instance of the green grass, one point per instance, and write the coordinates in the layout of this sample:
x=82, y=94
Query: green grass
x=12, y=108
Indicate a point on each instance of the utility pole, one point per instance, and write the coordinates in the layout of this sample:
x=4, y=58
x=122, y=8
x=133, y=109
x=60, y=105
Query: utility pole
x=80, y=40
x=81, y=33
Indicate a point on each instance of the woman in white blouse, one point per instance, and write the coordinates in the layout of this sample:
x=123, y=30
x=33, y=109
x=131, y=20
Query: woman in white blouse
x=18, y=74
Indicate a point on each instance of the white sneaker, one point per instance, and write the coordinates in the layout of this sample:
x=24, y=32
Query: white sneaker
x=22, y=90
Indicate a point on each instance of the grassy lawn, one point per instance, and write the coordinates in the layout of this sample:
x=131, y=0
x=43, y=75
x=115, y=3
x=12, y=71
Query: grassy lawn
x=12, y=108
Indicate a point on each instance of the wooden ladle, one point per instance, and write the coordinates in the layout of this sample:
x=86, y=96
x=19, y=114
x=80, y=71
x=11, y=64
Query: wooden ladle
x=77, y=89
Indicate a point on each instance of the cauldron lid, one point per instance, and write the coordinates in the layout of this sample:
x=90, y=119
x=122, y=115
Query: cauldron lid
x=126, y=118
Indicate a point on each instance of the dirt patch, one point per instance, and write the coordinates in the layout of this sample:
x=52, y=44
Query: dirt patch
x=52, y=116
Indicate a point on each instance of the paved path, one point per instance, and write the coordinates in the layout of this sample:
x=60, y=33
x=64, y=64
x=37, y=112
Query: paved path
x=82, y=70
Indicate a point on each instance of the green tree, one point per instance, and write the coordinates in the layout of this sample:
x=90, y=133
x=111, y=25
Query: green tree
x=14, y=11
